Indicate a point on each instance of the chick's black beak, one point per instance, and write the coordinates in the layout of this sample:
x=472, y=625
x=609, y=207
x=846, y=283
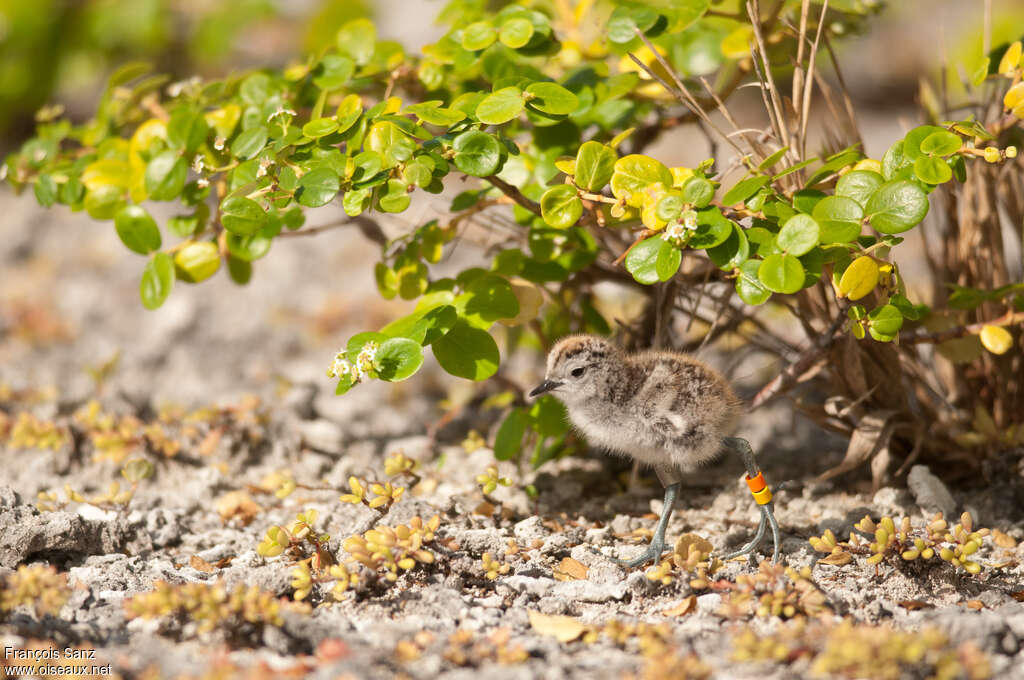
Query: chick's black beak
x=545, y=386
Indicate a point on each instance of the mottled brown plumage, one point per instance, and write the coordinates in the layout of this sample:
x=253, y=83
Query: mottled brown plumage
x=665, y=409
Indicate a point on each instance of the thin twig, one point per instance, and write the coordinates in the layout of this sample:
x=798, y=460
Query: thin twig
x=1008, y=319
x=514, y=194
x=787, y=378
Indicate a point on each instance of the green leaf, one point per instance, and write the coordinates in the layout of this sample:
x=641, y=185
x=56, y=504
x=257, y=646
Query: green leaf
x=884, y=323
x=798, y=235
x=103, y=202
x=913, y=140
x=771, y=160
x=781, y=273
x=318, y=187
x=932, y=170
x=941, y=143
x=349, y=110
x=515, y=32
x=896, y=207
x=634, y=172
x=732, y=252
x=395, y=197
x=713, y=228
x=137, y=229
x=321, y=127
x=477, y=153
x=432, y=112
x=626, y=19
x=157, y=281
x=247, y=248
x=478, y=35
x=509, y=440
x=981, y=73
x=467, y=352
x=356, y=201
x=893, y=161
x=552, y=98
x=249, y=143
x=839, y=218
x=669, y=259
x=748, y=286
x=398, y=358
x=45, y=189
x=187, y=130
x=487, y=299
x=595, y=164
x=548, y=417
x=669, y=207
x=501, y=106
x=357, y=39
x=356, y=343
x=165, y=176
x=744, y=189
x=698, y=191
x=388, y=140
x=859, y=185
x=242, y=216
x=419, y=171
x=560, y=206
x=642, y=260
x=333, y=72
x=686, y=12
x=197, y=261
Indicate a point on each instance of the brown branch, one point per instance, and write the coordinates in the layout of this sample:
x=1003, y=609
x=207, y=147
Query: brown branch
x=643, y=234
x=367, y=226
x=514, y=194
x=788, y=377
x=1007, y=319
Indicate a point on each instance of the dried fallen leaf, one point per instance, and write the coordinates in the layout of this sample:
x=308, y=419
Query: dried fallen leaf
x=569, y=570
x=1003, y=540
x=485, y=509
x=838, y=557
x=199, y=564
x=562, y=628
x=687, y=606
x=208, y=446
x=1018, y=595
x=913, y=605
x=238, y=505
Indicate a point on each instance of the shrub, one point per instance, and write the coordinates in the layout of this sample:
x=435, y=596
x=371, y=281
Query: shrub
x=553, y=112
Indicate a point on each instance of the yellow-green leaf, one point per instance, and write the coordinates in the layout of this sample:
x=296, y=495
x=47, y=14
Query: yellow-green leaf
x=859, y=279
x=996, y=339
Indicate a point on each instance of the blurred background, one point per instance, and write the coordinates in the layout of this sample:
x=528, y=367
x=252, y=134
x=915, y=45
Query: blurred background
x=61, y=51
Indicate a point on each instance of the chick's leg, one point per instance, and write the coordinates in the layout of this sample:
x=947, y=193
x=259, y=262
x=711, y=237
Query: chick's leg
x=761, y=494
x=657, y=545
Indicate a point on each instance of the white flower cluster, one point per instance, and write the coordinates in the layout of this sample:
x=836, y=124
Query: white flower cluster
x=676, y=231
x=175, y=89
x=341, y=367
x=364, y=363
x=264, y=164
x=367, y=355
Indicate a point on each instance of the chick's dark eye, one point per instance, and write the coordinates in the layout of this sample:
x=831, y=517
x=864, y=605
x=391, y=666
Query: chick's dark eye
x=577, y=372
